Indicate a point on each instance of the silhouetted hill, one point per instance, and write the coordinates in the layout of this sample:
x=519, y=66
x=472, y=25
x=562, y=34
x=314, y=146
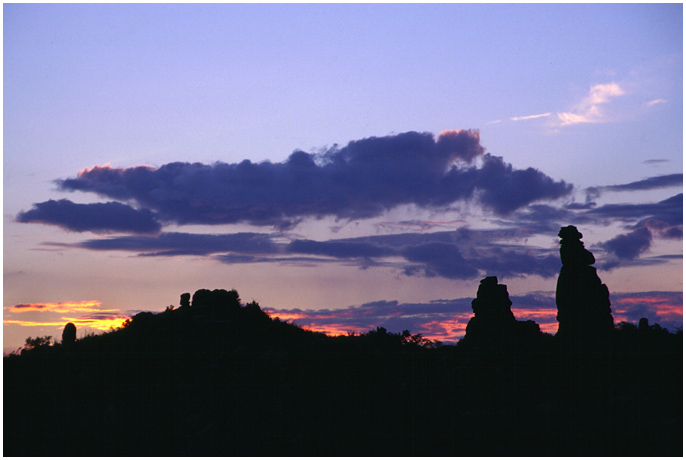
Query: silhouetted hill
x=216, y=377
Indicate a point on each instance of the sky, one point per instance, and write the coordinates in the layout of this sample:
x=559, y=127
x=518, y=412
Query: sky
x=346, y=166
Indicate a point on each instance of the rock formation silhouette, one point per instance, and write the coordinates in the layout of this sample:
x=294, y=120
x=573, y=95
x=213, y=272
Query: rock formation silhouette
x=238, y=383
x=493, y=322
x=69, y=334
x=583, y=302
x=185, y=300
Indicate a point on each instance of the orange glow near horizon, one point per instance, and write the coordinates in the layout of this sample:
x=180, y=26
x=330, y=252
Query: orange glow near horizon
x=448, y=330
x=102, y=324
x=85, y=306
x=664, y=306
x=333, y=329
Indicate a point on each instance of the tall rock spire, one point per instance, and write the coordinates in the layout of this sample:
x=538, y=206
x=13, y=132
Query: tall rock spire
x=583, y=302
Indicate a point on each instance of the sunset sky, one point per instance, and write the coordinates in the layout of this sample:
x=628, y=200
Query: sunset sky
x=346, y=166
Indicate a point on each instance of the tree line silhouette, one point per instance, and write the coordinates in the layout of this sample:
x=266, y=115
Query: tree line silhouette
x=217, y=377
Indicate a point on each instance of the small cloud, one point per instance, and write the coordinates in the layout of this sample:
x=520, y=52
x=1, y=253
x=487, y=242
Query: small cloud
x=568, y=118
x=418, y=225
x=601, y=94
x=655, y=102
x=590, y=109
x=530, y=117
x=96, y=217
x=629, y=246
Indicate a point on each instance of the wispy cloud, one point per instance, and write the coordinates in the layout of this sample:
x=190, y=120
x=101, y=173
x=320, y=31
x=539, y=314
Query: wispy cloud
x=651, y=183
x=531, y=117
x=591, y=108
x=655, y=102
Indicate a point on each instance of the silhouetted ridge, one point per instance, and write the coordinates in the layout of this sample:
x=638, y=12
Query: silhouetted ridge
x=215, y=377
x=583, y=302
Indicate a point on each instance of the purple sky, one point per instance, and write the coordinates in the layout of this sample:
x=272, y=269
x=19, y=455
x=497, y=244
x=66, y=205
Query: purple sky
x=346, y=166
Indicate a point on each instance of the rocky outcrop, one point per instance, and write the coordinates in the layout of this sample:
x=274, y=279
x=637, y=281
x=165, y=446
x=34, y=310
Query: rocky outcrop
x=493, y=322
x=185, y=301
x=583, y=302
x=218, y=298
x=69, y=335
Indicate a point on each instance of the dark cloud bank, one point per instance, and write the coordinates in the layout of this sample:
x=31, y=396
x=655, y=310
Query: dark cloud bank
x=460, y=254
x=108, y=217
x=360, y=180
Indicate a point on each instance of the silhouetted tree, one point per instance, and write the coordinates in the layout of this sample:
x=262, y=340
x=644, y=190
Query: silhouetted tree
x=37, y=343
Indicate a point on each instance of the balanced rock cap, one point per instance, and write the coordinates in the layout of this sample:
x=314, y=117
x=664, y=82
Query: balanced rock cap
x=570, y=232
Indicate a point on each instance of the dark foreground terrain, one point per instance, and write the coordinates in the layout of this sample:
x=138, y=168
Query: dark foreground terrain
x=227, y=380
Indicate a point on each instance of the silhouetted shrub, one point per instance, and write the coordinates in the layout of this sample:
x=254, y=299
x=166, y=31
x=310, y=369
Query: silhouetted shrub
x=36, y=344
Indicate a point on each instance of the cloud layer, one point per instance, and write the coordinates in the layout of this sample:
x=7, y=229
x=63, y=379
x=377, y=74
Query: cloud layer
x=96, y=217
x=461, y=254
x=360, y=180
x=651, y=183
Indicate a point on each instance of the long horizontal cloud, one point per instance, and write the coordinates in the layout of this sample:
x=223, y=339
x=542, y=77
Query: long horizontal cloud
x=360, y=180
x=462, y=254
x=172, y=243
x=95, y=217
x=459, y=254
x=651, y=183
x=669, y=210
x=100, y=321
x=59, y=307
x=663, y=219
